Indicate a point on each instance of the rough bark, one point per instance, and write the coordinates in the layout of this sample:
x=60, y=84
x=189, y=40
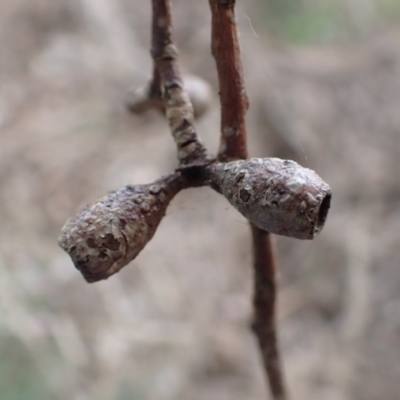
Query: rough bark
x=178, y=108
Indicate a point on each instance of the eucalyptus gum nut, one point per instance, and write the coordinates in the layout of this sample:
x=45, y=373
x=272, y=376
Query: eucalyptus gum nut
x=138, y=101
x=200, y=94
x=108, y=234
x=276, y=195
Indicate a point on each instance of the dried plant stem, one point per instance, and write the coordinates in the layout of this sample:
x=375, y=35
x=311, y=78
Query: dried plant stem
x=155, y=85
x=179, y=110
x=233, y=145
x=234, y=101
x=264, y=324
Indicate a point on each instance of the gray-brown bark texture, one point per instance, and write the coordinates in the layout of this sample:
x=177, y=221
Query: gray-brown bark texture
x=178, y=108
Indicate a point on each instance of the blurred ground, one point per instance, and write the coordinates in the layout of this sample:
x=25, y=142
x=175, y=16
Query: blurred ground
x=324, y=86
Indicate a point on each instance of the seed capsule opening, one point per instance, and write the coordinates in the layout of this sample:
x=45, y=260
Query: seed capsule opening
x=279, y=196
x=323, y=212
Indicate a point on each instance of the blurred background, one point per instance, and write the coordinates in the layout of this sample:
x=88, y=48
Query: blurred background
x=323, y=79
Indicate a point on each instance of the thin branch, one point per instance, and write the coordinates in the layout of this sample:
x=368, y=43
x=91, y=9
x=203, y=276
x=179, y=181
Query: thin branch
x=234, y=101
x=264, y=301
x=155, y=85
x=179, y=110
x=233, y=145
x=141, y=99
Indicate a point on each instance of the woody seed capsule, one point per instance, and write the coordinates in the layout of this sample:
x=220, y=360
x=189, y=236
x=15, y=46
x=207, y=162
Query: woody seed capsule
x=108, y=234
x=277, y=195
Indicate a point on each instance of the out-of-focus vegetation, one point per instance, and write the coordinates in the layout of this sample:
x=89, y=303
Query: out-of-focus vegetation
x=325, y=21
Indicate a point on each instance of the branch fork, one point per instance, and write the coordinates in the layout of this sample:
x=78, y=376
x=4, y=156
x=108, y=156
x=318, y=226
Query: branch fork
x=276, y=196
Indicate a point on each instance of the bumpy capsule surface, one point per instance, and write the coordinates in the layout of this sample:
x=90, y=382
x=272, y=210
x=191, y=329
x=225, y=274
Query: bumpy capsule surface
x=277, y=195
x=108, y=234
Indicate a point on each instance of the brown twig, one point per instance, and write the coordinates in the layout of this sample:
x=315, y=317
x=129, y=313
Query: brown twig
x=234, y=104
x=179, y=110
x=234, y=101
x=264, y=300
x=155, y=85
